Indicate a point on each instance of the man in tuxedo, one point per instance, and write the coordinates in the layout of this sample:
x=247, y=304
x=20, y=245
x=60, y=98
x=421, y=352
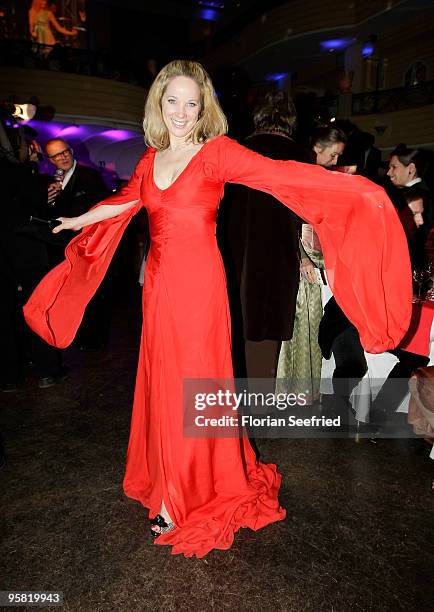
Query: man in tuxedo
x=75, y=190
x=78, y=188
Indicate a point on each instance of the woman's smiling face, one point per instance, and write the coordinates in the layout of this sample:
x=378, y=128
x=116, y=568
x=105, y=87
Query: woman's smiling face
x=180, y=107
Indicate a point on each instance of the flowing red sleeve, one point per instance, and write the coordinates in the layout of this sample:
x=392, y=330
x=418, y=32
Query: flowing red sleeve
x=56, y=307
x=364, y=245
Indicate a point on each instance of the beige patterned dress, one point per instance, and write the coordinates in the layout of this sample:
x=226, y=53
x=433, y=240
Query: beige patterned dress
x=299, y=367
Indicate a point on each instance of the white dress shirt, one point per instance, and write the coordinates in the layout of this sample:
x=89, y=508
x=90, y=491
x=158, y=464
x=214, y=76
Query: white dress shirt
x=68, y=175
x=413, y=182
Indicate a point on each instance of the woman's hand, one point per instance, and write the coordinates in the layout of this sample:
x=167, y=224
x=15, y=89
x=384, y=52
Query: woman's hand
x=308, y=270
x=67, y=223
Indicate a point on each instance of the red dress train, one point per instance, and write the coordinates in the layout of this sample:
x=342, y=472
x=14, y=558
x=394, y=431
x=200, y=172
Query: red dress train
x=212, y=487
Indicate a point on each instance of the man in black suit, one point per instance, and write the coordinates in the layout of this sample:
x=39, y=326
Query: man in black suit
x=75, y=190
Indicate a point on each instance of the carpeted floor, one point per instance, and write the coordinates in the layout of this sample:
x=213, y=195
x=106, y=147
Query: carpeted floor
x=359, y=533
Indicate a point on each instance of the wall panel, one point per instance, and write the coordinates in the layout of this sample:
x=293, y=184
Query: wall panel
x=76, y=95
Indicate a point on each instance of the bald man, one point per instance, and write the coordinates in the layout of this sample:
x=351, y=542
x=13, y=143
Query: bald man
x=81, y=187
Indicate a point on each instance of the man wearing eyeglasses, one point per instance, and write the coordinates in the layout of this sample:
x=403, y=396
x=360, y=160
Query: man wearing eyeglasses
x=79, y=188
x=72, y=193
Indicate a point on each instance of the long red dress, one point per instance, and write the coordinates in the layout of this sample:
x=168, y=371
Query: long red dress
x=212, y=487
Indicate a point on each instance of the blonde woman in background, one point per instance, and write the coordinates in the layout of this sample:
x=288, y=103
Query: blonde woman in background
x=40, y=21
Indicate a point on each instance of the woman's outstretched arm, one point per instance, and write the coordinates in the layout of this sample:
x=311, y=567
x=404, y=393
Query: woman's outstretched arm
x=365, y=250
x=96, y=214
x=113, y=206
x=60, y=28
x=56, y=307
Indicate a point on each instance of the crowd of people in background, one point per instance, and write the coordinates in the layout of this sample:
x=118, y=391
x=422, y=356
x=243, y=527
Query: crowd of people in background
x=283, y=326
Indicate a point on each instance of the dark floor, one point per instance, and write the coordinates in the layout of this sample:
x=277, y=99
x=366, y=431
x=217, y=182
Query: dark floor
x=359, y=533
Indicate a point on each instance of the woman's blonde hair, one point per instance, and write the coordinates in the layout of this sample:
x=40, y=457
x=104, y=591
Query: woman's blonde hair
x=36, y=6
x=211, y=122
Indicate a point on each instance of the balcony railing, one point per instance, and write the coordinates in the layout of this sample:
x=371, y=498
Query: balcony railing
x=27, y=54
x=391, y=100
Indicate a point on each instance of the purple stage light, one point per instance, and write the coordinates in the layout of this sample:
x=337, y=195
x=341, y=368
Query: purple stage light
x=118, y=135
x=335, y=44
x=71, y=130
x=93, y=145
x=208, y=14
x=277, y=76
x=368, y=49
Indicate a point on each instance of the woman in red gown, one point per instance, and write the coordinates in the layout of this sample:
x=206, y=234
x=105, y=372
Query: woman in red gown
x=205, y=489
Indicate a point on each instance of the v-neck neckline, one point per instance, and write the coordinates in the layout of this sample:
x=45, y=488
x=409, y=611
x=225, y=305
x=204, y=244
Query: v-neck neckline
x=183, y=171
